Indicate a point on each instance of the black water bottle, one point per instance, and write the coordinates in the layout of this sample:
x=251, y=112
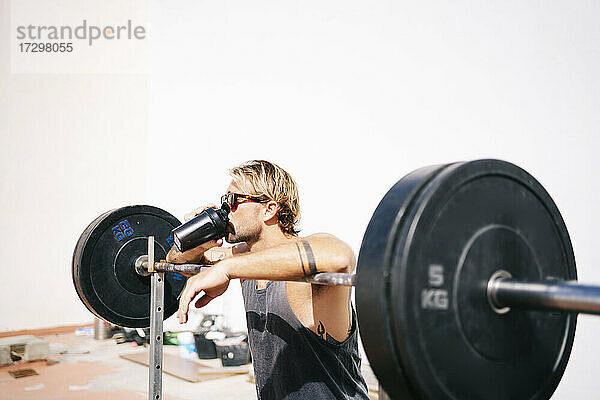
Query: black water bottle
x=209, y=225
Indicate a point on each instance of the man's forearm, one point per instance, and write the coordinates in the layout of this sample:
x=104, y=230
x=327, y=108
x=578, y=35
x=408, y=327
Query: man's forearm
x=206, y=253
x=190, y=256
x=292, y=261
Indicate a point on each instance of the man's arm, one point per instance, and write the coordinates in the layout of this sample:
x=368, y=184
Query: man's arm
x=293, y=260
x=217, y=254
x=201, y=255
x=195, y=255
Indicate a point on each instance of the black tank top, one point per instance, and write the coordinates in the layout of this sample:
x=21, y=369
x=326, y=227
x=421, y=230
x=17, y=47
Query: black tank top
x=291, y=361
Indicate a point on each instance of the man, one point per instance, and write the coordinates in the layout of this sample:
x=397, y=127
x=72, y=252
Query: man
x=303, y=337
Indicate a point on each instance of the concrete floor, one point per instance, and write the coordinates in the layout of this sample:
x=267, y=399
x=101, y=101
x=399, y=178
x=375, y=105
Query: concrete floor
x=100, y=374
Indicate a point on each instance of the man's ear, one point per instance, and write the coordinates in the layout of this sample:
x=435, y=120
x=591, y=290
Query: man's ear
x=271, y=209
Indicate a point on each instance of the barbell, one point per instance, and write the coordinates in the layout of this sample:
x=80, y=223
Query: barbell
x=464, y=286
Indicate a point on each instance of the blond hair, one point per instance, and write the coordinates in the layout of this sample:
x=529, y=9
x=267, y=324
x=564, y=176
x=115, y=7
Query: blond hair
x=273, y=182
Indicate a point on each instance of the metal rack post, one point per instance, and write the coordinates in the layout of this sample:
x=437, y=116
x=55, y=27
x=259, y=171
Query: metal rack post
x=155, y=356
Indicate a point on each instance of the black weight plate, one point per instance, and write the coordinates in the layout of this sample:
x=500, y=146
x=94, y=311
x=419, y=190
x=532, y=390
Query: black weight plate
x=463, y=224
x=372, y=282
x=103, y=265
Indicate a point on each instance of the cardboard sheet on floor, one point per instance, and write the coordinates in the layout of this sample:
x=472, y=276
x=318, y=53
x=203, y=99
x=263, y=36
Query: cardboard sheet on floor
x=189, y=370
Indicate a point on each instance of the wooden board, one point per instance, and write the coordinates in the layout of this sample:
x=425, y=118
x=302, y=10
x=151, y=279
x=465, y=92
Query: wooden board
x=189, y=370
x=58, y=330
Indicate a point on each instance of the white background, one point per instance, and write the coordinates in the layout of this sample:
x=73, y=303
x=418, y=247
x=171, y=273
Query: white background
x=348, y=96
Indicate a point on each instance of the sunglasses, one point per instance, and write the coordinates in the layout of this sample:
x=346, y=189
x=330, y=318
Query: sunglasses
x=235, y=199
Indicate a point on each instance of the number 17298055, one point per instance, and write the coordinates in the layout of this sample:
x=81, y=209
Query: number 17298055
x=46, y=47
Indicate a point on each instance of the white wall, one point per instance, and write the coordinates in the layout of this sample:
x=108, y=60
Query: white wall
x=351, y=95
x=348, y=96
x=73, y=146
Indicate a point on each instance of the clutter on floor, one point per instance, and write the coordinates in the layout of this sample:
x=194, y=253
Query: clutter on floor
x=110, y=363
x=78, y=366
x=24, y=347
x=189, y=370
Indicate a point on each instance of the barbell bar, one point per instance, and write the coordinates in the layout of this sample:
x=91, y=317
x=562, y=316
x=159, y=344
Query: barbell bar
x=142, y=267
x=465, y=283
x=503, y=293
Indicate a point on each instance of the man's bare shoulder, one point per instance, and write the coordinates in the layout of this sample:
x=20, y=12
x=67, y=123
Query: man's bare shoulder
x=333, y=244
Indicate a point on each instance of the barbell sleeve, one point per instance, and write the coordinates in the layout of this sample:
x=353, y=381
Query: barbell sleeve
x=544, y=295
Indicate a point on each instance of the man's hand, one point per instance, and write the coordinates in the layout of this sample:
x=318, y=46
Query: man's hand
x=196, y=254
x=213, y=282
